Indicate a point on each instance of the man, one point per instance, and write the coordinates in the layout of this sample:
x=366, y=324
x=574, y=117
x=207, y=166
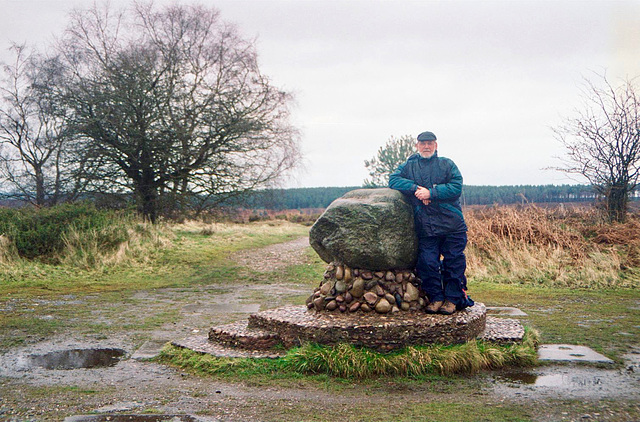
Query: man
x=433, y=186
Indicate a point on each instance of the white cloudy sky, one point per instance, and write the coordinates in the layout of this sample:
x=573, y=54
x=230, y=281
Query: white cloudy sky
x=490, y=78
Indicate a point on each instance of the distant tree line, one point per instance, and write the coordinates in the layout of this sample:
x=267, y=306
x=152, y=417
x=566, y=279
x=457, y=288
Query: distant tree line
x=281, y=199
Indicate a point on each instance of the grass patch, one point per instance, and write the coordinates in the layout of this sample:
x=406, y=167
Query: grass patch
x=606, y=320
x=349, y=362
x=185, y=257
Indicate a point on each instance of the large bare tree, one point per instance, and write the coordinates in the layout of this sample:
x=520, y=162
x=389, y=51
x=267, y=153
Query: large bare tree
x=170, y=104
x=33, y=131
x=603, y=142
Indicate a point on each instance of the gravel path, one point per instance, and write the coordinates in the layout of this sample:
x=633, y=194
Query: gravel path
x=273, y=257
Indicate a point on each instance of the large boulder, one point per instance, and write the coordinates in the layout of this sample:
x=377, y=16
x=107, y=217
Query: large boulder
x=367, y=228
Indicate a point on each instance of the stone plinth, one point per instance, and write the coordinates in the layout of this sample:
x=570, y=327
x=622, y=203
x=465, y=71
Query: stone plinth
x=239, y=335
x=297, y=324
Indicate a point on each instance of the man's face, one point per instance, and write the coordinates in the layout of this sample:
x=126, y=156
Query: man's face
x=426, y=149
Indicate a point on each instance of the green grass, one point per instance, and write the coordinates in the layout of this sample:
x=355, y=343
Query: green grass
x=349, y=362
x=595, y=318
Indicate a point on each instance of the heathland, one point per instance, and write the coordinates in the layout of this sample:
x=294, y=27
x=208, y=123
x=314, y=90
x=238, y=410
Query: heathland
x=105, y=276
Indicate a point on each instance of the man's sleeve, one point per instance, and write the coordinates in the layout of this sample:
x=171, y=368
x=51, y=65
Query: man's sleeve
x=450, y=190
x=398, y=182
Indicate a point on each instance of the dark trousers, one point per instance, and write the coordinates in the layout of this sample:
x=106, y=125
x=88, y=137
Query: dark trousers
x=446, y=279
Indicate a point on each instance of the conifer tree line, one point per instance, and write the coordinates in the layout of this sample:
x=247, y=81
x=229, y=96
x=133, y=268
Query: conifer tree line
x=321, y=197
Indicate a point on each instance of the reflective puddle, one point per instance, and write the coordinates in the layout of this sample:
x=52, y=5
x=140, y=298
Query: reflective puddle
x=77, y=358
x=568, y=381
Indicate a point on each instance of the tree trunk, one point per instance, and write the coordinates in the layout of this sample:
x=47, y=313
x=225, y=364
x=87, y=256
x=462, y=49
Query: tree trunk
x=617, y=201
x=40, y=194
x=148, y=195
x=148, y=202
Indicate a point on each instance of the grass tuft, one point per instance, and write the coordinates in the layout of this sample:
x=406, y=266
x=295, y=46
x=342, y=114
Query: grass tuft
x=347, y=361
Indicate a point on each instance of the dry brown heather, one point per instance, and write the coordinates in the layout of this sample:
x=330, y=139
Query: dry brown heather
x=561, y=246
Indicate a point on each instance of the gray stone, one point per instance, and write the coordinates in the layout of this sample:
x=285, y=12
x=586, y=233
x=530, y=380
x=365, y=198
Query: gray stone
x=382, y=307
x=357, y=290
x=367, y=228
x=341, y=286
x=412, y=293
x=319, y=303
x=371, y=298
x=331, y=306
x=326, y=288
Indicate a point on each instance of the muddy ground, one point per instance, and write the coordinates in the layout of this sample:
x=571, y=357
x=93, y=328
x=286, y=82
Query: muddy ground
x=145, y=320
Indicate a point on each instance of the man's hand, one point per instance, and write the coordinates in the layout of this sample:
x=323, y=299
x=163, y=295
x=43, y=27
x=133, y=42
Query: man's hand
x=424, y=195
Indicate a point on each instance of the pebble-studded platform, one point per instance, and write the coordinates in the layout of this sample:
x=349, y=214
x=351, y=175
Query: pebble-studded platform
x=297, y=324
x=269, y=333
x=498, y=330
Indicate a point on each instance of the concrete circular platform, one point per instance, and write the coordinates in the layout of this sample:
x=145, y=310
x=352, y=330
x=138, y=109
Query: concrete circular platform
x=297, y=324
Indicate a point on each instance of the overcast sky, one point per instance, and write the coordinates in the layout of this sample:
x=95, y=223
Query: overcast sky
x=489, y=78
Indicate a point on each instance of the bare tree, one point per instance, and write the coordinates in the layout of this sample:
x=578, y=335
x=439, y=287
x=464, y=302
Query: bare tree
x=172, y=106
x=603, y=143
x=395, y=152
x=33, y=130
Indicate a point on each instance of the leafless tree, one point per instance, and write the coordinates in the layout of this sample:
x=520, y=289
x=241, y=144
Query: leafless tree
x=33, y=131
x=603, y=143
x=171, y=105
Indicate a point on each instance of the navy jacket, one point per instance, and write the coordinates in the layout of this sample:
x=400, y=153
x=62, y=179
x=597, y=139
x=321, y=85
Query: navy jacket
x=443, y=179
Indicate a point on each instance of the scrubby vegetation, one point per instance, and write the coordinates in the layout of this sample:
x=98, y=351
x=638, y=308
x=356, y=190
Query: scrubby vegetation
x=78, y=235
x=559, y=247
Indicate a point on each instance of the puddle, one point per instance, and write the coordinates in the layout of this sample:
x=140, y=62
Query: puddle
x=517, y=377
x=77, y=358
x=568, y=382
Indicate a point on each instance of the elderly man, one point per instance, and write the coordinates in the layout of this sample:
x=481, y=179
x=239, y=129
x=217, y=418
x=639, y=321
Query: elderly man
x=433, y=186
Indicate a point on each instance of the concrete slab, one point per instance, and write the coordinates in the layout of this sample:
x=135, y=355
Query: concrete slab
x=570, y=352
x=504, y=310
x=149, y=350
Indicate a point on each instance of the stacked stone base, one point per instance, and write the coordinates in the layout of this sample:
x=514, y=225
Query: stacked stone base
x=357, y=290
x=240, y=335
x=296, y=325
x=497, y=330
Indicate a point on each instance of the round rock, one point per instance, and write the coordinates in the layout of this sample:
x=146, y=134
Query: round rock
x=367, y=228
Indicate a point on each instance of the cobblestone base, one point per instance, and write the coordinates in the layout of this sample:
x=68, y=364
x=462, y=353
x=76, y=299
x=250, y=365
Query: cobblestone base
x=502, y=330
x=240, y=335
x=296, y=325
x=497, y=330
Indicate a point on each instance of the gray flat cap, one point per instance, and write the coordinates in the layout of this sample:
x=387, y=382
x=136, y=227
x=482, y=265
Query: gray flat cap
x=427, y=136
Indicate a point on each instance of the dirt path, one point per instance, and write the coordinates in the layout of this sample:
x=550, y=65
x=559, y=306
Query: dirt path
x=153, y=317
x=273, y=257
